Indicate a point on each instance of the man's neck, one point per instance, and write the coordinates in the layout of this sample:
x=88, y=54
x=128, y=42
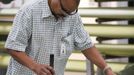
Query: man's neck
x=52, y=11
x=49, y=3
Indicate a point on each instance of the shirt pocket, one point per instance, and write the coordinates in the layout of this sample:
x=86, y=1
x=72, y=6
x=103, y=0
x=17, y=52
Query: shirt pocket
x=68, y=41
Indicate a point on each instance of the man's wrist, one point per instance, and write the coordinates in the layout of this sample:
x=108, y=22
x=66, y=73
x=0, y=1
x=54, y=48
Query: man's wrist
x=105, y=69
x=33, y=66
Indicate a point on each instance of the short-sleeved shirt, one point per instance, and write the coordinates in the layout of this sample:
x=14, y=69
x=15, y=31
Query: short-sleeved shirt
x=36, y=32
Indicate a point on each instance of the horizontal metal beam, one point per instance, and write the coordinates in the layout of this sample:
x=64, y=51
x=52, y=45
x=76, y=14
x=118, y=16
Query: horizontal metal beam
x=2, y=49
x=123, y=13
x=100, y=30
x=8, y=14
x=107, y=13
x=6, y=17
x=4, y=59
x=10, y=11
x=106, y=49
x=79, y=66
x=116, y=49
x=111, y=0
x=74, y=64
x=111, y=31
x=5, y=28
x=114, y=8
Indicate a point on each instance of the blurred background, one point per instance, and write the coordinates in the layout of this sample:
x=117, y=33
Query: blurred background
x=110, y=24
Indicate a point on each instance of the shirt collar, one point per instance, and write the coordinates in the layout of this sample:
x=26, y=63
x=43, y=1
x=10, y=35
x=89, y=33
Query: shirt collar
x=46, y=12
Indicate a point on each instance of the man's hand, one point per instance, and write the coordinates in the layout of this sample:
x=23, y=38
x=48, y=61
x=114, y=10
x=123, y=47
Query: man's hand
x=109, y=72
x=95, y=57
x=42, y=69
x=24, y=59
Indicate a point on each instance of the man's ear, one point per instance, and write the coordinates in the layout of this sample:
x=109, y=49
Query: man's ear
x=54, y=4
x=69, y=5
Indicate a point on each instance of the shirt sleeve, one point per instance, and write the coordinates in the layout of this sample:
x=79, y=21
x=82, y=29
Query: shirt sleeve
x=20, y=32
x=82, y=39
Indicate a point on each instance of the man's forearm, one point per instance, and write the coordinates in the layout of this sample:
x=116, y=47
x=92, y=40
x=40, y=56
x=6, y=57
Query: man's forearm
x=22, y=58
x=94, y=55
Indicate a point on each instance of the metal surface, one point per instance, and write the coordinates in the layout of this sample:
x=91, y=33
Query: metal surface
x=127, y=13
x=111, y=0
x=107, y=13
x=112, y=31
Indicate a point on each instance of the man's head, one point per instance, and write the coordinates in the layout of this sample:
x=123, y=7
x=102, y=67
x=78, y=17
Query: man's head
x=62, y=8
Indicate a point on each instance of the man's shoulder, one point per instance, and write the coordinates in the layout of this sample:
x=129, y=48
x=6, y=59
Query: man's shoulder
x=31, y=4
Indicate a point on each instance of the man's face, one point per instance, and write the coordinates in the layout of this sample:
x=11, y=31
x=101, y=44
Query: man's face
x=68, y=7
x=63, y=8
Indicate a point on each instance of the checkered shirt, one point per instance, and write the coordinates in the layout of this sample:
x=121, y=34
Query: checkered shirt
x=36, y=32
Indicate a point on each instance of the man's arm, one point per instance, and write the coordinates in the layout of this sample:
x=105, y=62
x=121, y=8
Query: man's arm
x=25, y=60
x=95, y=57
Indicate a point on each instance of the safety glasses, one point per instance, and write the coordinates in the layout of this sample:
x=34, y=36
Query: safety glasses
x=65, y=12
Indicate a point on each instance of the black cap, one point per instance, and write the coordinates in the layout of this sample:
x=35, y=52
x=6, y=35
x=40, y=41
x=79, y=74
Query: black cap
x=6, y=1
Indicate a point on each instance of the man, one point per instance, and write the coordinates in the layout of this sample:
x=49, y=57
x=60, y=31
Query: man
x=46, y=27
